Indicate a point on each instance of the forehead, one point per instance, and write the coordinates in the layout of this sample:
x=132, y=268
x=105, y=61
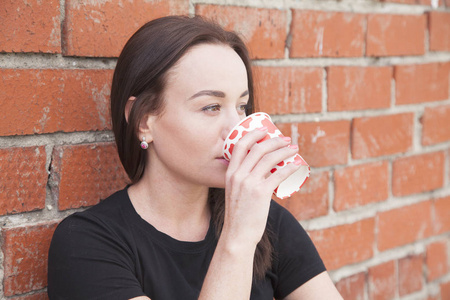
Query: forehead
x=209, y=66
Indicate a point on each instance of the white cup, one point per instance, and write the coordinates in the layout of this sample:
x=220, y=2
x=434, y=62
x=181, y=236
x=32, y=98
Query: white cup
x=257, y=120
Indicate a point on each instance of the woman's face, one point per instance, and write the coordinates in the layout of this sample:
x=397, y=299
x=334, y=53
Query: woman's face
x=205, y=96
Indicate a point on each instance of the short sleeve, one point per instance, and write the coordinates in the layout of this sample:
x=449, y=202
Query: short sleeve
x=296, y=257
x=87, y=260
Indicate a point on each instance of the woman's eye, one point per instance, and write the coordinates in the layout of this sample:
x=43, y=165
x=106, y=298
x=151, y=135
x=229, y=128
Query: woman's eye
x=243, y=107
x=212, y=108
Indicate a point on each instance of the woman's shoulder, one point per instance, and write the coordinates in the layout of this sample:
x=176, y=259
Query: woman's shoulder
x=279, y=216
x=107, y=215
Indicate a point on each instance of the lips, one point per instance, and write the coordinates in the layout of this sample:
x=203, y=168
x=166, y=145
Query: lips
x=223, y=160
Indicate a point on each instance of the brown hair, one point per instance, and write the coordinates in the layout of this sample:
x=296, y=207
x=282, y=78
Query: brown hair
x=141, y=72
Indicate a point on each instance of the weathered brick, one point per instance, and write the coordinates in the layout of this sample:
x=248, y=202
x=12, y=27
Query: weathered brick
x=30, y=26
x=324, y=143
x=436, y=260
x=382, y=281
x=345, y=244
x=51, y=100
x=441, y=215
x=25, y=257
x=421, y=83
x=410, y=274
x=392, y=35
x=355, y=88
x=312, y=199
x=82, y=175
x=327, y=34
x=439, y=28
x=288, y=90
x=360, y=185
x=264, y=30
x=23, y=179
x=411, y=223
x=436, y=125
x=417, y=174
x=445, y=290
x=352, y=287
x=382, y=135
x=95, y=28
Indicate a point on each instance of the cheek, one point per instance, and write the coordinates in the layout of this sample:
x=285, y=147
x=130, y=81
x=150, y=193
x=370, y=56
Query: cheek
x=178, y=138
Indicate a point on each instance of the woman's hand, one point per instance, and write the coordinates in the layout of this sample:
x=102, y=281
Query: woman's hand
x=250, y=184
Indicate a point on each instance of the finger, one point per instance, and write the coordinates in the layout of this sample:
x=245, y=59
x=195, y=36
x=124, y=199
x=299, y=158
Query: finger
x=276, y=178
x=242, y=147
x=266, y=153
x=271, y=159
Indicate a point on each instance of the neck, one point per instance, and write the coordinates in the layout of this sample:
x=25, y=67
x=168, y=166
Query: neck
x=178, y=209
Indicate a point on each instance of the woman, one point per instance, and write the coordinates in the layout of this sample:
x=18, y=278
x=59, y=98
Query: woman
x=191, y=225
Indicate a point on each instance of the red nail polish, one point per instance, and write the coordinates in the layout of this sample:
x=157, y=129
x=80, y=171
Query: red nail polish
x=293, y=146
x=287, y=139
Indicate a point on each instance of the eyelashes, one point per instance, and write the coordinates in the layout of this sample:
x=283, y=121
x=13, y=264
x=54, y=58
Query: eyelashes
x=217, y=107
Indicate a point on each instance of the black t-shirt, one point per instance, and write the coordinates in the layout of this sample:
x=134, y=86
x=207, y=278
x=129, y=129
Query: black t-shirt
x=110, y=252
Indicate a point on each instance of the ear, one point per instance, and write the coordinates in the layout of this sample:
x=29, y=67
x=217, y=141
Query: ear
x=146, y=127
x=128, y=107
x=146, y=123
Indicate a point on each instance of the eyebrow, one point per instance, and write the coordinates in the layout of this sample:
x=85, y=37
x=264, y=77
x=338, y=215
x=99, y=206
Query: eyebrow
x=217, y=94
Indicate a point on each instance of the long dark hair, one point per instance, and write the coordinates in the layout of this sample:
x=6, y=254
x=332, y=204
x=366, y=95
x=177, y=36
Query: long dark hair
x=141, y=72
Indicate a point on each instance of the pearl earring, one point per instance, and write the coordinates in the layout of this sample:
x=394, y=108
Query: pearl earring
x=144, y=144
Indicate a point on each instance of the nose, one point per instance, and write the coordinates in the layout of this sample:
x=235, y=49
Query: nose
x=231, y=120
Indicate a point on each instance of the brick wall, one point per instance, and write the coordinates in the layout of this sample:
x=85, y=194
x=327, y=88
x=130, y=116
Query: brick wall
x=362, y=87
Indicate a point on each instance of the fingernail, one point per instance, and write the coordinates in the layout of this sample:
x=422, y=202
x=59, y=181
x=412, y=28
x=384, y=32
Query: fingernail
x=287, y=139
x=264, y=128
x=297, y=162
x=293, y=146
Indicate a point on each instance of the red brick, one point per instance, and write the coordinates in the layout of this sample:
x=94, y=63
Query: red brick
x=327, y=34
x=23, y=179
x=324, y=143
x=417, y=174
x=411, y=223
x=439, y=28
x=437, y=260
x=382, y=135
x=442, y=215
x=421, y=83
x=51, y=100
x=345, y=244
x=354, y=88
x=95, y=28
x=288, y=90
x=436, y=126
x=25, y=257
x=30, y=26
x=264, y=30
x=352, y=287
x=382, y=281
x=360, y=185
x=312, y=199
x=82, y=175
x=410, y=277
x=445, y=290
x=392, y=35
